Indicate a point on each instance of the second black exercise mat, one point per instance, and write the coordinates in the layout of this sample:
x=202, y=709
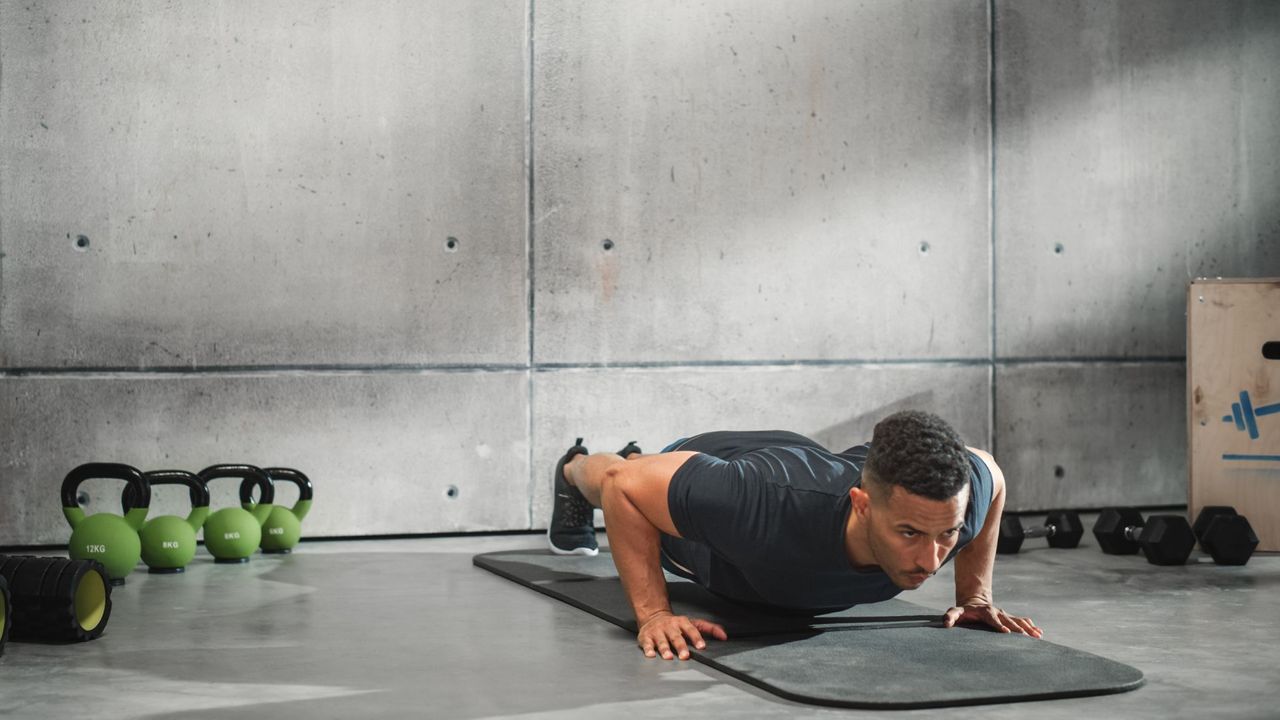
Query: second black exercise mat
x=889, y=655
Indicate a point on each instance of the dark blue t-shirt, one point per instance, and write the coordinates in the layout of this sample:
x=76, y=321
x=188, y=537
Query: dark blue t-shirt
x=763, y=514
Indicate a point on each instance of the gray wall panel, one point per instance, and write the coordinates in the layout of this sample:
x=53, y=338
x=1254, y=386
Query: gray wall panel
x=769, y=174
x=382, y=450
x=268, y=190
x=262, y=183
x=1140, y=136
x=1091, y=435
x=836, y=406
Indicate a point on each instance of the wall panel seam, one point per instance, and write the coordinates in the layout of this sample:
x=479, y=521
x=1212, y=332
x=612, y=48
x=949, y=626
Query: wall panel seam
x=531, y=483
x=321, y=370
x=991, y=211
x=2, y=129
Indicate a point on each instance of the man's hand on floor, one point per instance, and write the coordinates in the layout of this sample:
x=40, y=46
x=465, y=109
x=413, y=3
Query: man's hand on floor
x=993, y=616
x=664, y=634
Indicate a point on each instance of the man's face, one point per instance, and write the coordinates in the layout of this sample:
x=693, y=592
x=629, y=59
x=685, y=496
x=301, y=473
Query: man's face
x=911, y=535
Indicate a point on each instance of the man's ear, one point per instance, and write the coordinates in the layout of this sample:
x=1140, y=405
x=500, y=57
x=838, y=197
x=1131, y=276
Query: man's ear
x=861, y=500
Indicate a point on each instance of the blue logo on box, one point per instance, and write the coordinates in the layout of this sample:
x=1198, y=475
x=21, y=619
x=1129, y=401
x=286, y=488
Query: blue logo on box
x=1245, y=416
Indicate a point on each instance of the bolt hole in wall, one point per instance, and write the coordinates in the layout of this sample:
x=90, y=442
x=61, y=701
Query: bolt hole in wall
x=1058, y=248
x=1059, y=471
x=81, y=242
x=452, y=244
x=924, y=248
x=451, y=492
x=607, y=244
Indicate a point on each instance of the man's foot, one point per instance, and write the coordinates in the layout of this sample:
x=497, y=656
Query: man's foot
x=631, y=449
x=572, y=531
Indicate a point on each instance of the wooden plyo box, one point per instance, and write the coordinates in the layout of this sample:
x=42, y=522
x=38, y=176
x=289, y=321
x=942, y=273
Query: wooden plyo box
x=1233, y=395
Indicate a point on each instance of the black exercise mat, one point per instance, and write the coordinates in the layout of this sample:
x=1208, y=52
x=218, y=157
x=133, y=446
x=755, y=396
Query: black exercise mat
x=888, y=655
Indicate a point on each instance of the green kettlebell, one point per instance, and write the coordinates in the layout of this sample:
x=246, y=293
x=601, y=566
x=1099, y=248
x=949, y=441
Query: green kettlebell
x=283, y=528
x=168, y=541
x=108, y=538
x=232, y=534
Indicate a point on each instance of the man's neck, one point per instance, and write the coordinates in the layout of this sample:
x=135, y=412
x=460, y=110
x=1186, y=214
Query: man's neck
x=856, y=547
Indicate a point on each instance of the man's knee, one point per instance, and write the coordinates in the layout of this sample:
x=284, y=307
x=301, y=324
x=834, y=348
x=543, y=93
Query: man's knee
x=622, y=483
x=613, y=479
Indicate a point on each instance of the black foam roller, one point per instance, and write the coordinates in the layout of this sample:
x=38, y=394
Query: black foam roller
x=56, y=598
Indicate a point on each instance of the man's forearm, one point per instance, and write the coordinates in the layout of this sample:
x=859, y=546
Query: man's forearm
x=974, y=569
x=633, y=541
x=975, y=564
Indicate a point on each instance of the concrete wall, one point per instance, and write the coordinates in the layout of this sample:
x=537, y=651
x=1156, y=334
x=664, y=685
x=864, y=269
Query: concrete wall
x=1137, y=146
x=415, y=248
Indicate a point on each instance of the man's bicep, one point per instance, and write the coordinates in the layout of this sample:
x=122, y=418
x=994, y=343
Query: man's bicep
x=995, y=509
x=645, y=482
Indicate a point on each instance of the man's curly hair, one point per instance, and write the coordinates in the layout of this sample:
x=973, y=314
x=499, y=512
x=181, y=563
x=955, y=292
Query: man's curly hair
x=920, y=453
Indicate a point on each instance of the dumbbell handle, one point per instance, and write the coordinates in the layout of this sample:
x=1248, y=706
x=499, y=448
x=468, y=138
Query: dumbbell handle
x=1132, y=532
x=1040, y=531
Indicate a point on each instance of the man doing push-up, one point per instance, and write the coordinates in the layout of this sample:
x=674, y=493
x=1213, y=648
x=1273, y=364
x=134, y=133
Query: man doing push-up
x=776, y=521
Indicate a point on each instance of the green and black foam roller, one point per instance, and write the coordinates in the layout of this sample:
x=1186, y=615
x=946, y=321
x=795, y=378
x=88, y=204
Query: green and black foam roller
x=58, y=599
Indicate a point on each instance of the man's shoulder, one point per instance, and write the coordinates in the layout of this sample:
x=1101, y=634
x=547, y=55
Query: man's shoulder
x=993, y=468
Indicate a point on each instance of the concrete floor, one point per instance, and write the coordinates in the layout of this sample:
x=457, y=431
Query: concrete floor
x=409, y=628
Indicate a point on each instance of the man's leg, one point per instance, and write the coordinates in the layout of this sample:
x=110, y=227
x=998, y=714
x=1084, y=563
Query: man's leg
x=587, y=473
x=576, y=489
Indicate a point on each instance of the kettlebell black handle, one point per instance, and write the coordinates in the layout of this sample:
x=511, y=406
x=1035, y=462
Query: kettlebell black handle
x=199, y=491
x=249, y=473
x=305, y=491
x=115, y=471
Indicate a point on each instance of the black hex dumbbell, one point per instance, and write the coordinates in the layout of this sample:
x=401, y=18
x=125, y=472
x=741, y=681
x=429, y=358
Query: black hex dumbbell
x=1062, y=528
x=1226, y=535
x=1164, y=539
